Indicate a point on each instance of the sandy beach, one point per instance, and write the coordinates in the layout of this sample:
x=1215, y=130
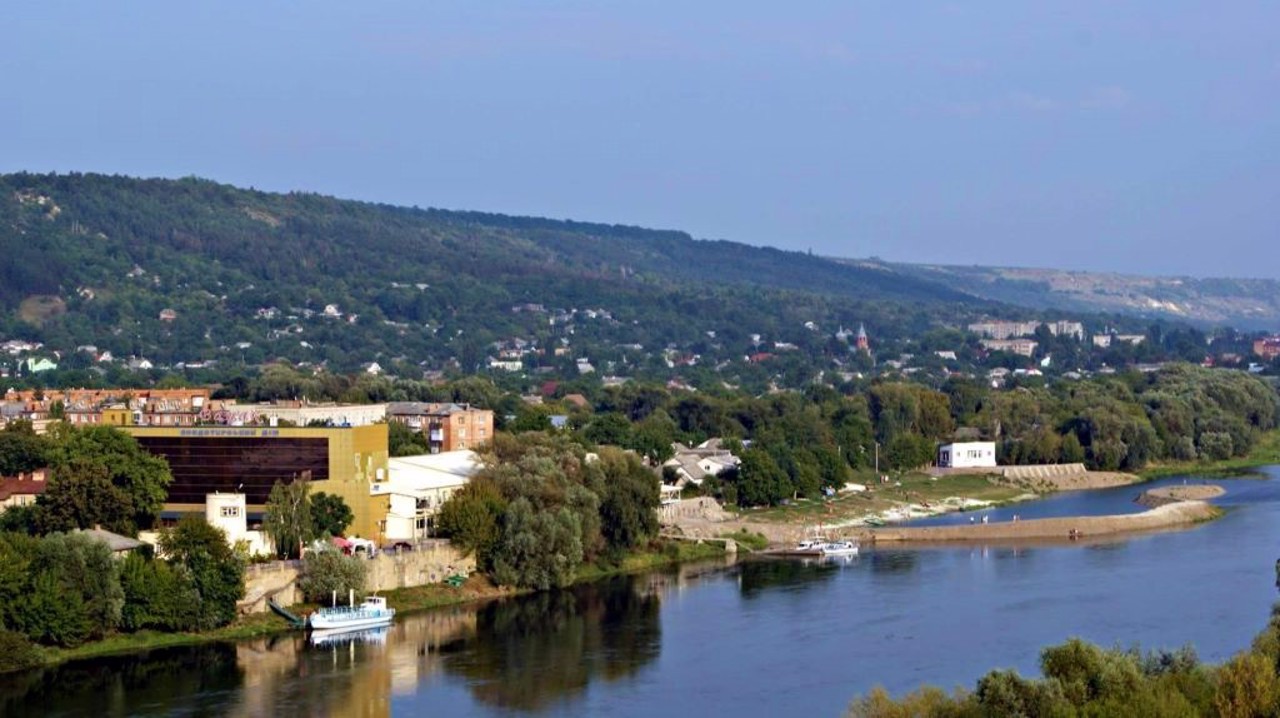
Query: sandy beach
x=1182, y=513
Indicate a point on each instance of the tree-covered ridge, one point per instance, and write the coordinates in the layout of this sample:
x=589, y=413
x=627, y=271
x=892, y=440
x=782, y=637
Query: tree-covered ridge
x=426, y=284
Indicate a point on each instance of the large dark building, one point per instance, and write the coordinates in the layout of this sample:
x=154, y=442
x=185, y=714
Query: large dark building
x=336, y=460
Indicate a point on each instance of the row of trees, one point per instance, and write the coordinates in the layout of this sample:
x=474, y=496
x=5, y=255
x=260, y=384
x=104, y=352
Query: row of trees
x=63, y=589
x=542, y=507
x=801, y=442
x=1080, y=679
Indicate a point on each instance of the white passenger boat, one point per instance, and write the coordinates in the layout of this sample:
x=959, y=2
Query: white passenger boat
x=372, y=612
x=840, y=548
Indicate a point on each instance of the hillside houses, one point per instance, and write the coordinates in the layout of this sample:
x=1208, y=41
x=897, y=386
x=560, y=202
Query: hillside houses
x=694, y=465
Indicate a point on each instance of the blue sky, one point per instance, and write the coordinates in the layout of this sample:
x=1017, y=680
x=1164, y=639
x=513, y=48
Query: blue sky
x=1141, y=137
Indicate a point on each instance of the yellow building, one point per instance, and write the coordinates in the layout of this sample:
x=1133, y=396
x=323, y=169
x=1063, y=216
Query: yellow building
x=342, y=461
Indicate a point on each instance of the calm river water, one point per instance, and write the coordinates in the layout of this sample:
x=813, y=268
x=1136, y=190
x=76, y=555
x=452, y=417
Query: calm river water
x=762, y=638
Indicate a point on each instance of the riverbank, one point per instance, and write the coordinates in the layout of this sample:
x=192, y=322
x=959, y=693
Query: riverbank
x=854, y=513
x=1264, y=453
x=1174, y=515
x=406, y=601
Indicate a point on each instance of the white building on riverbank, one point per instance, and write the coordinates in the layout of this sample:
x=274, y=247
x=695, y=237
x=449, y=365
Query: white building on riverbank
x=967, y=455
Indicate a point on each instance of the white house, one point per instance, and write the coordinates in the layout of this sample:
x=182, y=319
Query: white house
x=967, y=455
x=693, y=465
x=417, y=486
x=227, y=512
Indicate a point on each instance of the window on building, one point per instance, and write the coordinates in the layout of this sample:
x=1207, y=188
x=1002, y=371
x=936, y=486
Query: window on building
x=230, y=512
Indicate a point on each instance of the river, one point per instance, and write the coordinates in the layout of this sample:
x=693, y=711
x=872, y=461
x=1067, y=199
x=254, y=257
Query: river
x=760, y=638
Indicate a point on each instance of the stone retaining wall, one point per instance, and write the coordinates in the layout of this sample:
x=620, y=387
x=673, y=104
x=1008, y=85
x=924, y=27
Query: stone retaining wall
x=431, y=562
x=1040, y=471
x=703, y=507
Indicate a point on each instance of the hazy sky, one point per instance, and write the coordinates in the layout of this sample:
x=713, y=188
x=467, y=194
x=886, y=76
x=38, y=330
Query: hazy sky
x=1142, y=137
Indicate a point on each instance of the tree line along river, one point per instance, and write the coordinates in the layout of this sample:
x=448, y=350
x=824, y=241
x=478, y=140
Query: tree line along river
x=756, y=638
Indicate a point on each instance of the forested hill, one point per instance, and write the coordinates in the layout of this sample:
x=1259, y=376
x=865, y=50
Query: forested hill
x=93, y=259
x=91, y=229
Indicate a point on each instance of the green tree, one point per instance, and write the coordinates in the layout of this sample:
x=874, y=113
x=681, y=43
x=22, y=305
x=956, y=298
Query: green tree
x=628, y=510
x=610, y=429
x=216, y=571
x=144, y=478
x=403, y=441
x=760, y=481
x=328, y=572
x=289, y=520
x=653, y=436
x=330, y=515
x=537, y=549
x=81, y=495
x=74, y=593
x=470, y=518
x=157, y=595
x=22, y=450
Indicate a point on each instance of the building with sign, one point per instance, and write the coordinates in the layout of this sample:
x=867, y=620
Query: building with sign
x=343, y=461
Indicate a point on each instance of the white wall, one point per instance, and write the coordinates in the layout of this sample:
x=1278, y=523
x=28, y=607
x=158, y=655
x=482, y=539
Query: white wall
x=971, y=454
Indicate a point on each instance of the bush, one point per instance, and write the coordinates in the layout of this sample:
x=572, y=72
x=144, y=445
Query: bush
x=327, y=572
x=157, y=596
x=1247, y=687
x=17, y=653
x=217, y=573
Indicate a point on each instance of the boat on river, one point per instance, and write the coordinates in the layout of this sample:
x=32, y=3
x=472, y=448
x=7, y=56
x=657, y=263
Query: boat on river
x=818, y=547
x=840, y=548
x=373, y=611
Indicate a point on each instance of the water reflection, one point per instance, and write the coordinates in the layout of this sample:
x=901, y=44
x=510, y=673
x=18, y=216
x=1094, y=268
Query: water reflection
x=758, y=577
x=150, y=683
x=536, y=651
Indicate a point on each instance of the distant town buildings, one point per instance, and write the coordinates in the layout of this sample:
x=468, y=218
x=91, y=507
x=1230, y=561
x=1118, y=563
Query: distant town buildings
x=448, y=427
x=1025, y=347
x=1009, y=330
x=1103, y=341
x=1268, y=347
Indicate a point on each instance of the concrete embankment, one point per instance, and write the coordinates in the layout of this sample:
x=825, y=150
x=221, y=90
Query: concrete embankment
x=1169, y=516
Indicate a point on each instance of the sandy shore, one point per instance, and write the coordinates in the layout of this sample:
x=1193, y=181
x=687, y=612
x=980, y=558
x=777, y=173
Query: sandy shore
x=1174, y=494
x=1182, y=513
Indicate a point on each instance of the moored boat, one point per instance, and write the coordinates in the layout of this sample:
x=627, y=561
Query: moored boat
x=840, y=548
x=373, y=611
